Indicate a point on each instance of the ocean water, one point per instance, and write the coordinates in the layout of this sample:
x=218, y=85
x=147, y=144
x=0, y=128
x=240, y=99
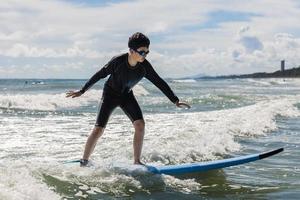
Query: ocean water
x=40, y=129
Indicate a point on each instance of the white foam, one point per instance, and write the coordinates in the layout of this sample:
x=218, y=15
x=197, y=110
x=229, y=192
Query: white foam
x=199, y=136
x=53, y=102
x=175, y=138
x=18, y=183
x=274, y=81
x=170, y=138
x=185, y=81
x=259, y=82
x=139, y=90
x=47, y=102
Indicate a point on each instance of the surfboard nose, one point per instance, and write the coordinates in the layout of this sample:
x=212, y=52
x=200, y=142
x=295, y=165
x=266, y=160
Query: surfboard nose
x=270, y=153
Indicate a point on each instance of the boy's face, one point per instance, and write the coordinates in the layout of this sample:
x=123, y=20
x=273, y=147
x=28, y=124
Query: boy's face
x=140, y=54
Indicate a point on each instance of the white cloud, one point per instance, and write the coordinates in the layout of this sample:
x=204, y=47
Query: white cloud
x=61, y=33
x=250, y=42
x=62, y=70
x=247, y=55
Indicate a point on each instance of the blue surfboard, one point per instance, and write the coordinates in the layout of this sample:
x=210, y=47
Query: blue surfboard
x=205, y=166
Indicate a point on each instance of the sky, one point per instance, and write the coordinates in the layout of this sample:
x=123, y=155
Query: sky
x=75, y=38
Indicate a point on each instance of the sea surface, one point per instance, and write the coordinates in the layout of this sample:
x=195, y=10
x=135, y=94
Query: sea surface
x=40, y=129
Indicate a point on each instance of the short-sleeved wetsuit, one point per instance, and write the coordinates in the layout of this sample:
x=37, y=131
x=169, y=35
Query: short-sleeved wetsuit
x=118, y=88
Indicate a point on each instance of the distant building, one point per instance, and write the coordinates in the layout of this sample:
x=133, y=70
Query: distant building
x=282, y=65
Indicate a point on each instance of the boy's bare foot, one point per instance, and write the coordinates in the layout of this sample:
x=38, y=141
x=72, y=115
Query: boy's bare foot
x=83, y=163
x=138, y=162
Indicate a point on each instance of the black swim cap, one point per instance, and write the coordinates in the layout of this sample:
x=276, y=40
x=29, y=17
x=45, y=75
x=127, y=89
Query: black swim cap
x=138, y=40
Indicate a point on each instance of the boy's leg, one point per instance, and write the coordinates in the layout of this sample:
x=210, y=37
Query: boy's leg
x=132, y=109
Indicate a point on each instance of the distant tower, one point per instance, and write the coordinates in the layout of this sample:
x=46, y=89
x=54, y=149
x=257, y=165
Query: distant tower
x=282, y=65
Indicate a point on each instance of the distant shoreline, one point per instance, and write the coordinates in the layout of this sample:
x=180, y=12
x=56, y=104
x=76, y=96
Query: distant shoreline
x=288, y=73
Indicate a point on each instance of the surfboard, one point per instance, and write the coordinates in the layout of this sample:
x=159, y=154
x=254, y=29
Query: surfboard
x=204, y=166
x=210, y=165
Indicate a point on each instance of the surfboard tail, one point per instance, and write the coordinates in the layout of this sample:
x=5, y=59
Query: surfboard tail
x=71, y=161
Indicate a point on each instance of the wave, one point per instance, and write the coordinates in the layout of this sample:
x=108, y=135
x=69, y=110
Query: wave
x=19, y=184
x=204, y=135
x=206, y=102
x=270, y=81
x=54, y=102
x=139, y=90
x=259, y=82
x=42, y=143
x=185, y=81
x=47, y=102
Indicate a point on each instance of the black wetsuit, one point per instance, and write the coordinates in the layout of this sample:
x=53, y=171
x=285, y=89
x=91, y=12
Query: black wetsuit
x=118, y=88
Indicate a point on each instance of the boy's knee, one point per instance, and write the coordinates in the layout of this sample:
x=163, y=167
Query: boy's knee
x=98, y=130
x=139, y=125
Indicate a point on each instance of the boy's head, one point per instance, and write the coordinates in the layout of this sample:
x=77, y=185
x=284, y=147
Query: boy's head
x=138, y=40
x=138, y=44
